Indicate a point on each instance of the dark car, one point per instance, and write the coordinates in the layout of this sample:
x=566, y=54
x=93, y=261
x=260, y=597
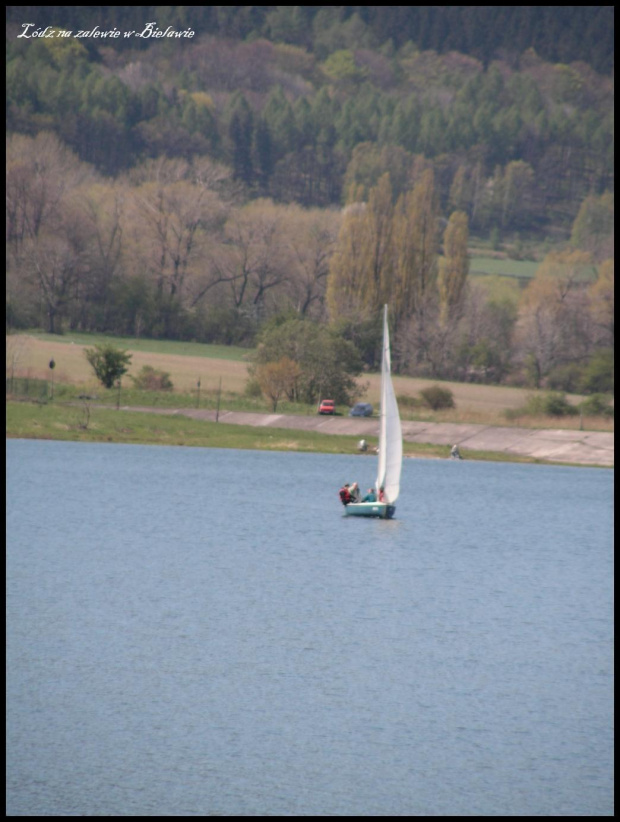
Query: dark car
x=361, y=409
x=327, y=407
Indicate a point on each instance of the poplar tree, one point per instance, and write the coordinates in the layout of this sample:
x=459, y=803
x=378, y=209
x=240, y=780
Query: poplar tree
x=386, y=253
x=348, y=263
x=415, y=248
x=458, y=198
x=378, y=246
x=361, y=270
x=453, y=267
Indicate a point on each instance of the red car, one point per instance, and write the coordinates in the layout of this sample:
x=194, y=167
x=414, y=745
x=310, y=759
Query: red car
x=327, y=407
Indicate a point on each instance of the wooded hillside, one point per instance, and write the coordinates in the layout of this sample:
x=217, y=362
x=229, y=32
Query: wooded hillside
x=338, y=94
x=193, y=187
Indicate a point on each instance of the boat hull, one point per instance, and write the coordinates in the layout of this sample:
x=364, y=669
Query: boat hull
x=381, y=510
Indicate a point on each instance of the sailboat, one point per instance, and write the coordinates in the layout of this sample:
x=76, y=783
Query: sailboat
x=390, y=444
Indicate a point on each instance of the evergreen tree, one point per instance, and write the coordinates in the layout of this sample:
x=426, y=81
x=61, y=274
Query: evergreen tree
x=517, y=194
x=263, y=155
x=306, y=128
x=279, y=118
x=240, y=134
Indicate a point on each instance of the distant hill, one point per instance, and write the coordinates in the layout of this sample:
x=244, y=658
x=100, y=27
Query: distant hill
x=302, y=102
x=197, y=187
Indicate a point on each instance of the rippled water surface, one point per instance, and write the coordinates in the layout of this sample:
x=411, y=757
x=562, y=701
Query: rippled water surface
x=201, y=632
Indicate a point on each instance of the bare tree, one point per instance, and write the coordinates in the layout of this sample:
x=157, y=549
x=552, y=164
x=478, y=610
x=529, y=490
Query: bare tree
x=311, y=238
x=555, y=324
x=103, y=208
x=45, y=238
x=171, y=227
x=54, y=266
x=40, y=171
x=251, y=260
x=602, y=303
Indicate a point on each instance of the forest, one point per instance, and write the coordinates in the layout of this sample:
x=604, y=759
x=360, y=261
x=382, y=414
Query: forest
x=308, y=162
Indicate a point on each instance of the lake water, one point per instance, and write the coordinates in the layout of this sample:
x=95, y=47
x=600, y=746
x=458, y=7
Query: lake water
x=201, y=632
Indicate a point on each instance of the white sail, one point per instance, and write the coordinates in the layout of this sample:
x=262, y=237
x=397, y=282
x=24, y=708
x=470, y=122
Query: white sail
x=390, y=434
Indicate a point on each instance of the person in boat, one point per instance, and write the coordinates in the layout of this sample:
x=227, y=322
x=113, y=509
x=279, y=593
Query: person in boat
x=370, y=496
x=355, y=492
x=382, y=494
x=345, y=494
x=455, y=454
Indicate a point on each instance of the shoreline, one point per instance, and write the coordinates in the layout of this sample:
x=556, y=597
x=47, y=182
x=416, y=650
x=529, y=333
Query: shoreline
x=553, y=445
x=248, y=430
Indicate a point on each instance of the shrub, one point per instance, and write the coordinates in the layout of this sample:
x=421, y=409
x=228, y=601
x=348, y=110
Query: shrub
x=278, y=379
x=556, y=405
x=551, y=404
x=598, y=376
x=108, y=363
x=565, y=377
x=405, y=401
x=598, y=405
x=437, y=397
x=151, y=379
x=253, y=389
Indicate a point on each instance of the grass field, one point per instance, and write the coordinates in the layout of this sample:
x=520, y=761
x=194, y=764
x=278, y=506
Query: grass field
x=505, y=267
x=522, y=269
x=193, y=349
x=28, y=355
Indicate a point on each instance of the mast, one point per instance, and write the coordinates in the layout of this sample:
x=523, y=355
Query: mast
x=382, y=417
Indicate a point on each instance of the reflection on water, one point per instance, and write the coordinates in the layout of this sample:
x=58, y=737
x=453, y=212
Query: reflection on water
x=197, y=631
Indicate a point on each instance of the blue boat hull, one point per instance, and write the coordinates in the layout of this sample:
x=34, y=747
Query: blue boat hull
x=382, y=510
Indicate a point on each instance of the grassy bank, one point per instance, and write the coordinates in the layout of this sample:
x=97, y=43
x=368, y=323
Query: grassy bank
x=26, y=420
x=60, y=422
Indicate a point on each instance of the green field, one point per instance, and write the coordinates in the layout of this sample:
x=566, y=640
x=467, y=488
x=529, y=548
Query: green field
x=185, y=349
x=522, y=269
